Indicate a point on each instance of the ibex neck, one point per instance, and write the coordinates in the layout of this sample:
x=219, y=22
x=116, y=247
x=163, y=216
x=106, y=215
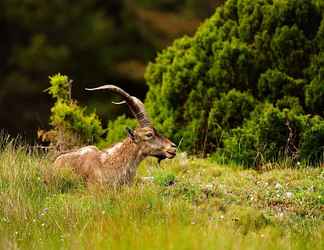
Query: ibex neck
x=124, y=158
x=130, y=151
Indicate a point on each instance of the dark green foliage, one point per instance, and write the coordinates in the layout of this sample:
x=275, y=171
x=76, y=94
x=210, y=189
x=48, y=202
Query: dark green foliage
x=315, y=96
x=290, y=50
x=312, y=141
x=246, y=84
x=269, y=134
x=227, y=113
x=314, y=93
x=273, y=85
x=231, y=108
x=290, y=103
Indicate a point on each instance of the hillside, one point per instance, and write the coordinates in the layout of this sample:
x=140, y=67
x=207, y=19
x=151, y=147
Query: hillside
x=188, y=204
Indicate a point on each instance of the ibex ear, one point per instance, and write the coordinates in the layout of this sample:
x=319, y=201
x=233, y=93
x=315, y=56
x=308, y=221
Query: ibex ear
x=131, y=134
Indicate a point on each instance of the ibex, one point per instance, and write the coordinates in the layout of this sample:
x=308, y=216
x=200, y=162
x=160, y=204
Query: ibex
x=117, y=165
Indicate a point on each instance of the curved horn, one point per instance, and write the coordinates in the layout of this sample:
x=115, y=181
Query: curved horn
x=134, y=104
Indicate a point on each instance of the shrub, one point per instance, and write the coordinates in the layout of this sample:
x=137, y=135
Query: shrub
x=315, y=96
x=231, y=108
x=273, y=85
x=60, y=88
x=290, y=102
x=73, y=119
x=71, y=125
x=227, y=112
x=208, y=88
x=312, y=141
x=269, y=135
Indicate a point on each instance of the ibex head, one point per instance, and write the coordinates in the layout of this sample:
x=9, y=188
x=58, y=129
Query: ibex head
x=152, y=143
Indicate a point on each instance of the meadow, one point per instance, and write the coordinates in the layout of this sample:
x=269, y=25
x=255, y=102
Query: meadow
x=185, y=203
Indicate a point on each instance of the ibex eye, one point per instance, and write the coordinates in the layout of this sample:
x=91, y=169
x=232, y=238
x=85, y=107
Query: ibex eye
x=149, y=135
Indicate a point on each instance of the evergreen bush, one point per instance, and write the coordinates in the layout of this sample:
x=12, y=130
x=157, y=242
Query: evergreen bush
x=312, y=146
x=247, y=84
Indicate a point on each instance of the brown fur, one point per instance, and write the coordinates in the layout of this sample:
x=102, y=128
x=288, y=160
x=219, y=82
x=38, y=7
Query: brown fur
x=117, y=165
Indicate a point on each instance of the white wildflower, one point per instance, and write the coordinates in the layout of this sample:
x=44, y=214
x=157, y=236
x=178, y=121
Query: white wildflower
x=183, y=159
x=148, y=178
x=289, y=195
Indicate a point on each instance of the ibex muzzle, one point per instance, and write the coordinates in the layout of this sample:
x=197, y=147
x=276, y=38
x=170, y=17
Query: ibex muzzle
x=117, y=165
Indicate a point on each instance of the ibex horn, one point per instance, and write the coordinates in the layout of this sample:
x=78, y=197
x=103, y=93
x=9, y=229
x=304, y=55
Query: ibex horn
x=134, y=104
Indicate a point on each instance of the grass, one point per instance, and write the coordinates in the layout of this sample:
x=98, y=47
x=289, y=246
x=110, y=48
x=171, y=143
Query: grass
x=188, y=204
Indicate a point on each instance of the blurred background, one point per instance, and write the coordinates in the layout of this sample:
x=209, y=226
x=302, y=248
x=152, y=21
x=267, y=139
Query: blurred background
x=91, y=41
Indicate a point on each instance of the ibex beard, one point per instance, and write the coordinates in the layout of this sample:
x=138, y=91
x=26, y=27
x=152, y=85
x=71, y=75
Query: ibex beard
x=117, y=165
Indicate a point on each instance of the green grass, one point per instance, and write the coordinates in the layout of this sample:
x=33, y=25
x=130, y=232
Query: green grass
x=189, y=204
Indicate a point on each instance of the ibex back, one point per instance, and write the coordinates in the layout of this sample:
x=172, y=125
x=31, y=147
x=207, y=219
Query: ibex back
x=117, y=165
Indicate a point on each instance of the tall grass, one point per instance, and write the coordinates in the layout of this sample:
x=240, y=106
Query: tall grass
x=189, y=204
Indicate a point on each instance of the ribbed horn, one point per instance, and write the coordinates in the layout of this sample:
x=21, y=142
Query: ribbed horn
x=135, y=105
